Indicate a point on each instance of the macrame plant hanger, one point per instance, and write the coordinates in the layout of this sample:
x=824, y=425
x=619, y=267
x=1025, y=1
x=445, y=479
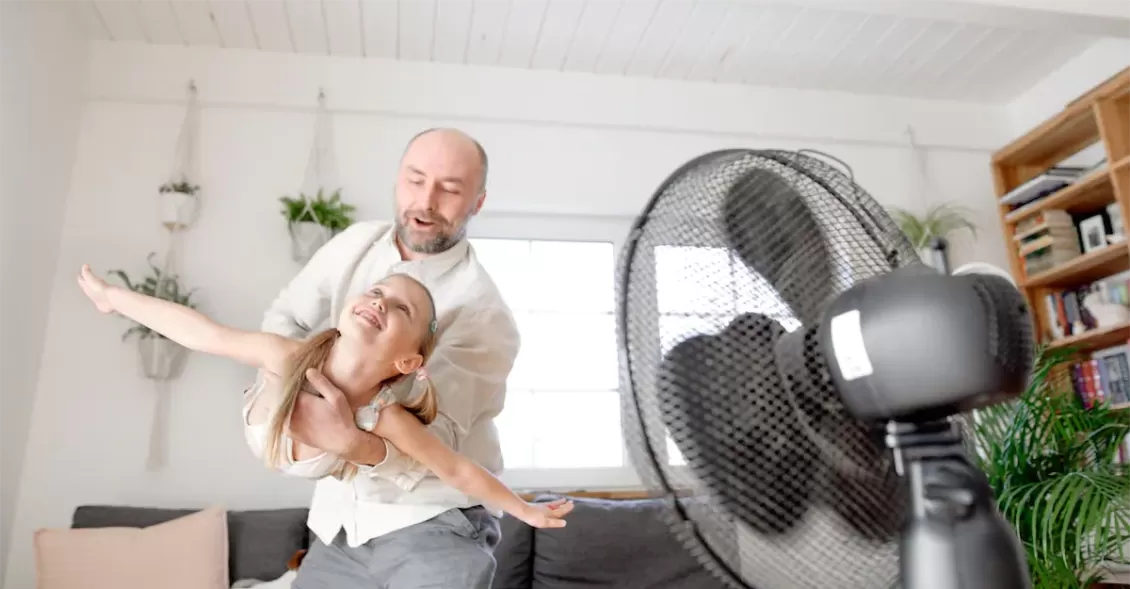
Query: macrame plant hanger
x=162, y=359
x=308, y=234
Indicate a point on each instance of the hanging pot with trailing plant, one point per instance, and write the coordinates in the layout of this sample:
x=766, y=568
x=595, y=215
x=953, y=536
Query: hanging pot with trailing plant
x=159, y=358
x=179, y=204
x=312, y=221
x=180, y=195
x=932, y=230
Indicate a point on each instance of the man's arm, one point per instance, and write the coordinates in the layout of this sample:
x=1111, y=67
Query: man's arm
x=469, y=369
x=304, y=303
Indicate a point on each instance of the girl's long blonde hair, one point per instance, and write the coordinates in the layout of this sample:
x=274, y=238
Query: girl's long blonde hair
x=313, y=354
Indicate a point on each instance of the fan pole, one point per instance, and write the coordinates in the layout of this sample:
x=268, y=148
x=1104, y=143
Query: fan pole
x=954, y=536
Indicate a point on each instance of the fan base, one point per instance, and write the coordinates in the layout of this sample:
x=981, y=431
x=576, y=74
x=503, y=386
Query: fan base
x=954, y=536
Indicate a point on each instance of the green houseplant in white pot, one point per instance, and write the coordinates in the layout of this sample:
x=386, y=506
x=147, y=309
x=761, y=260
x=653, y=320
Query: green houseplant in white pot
x=313, y=220
x=161, y=358
x=939, y=222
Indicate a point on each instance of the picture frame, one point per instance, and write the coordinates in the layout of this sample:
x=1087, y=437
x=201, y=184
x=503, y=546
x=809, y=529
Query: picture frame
x=1092, y=233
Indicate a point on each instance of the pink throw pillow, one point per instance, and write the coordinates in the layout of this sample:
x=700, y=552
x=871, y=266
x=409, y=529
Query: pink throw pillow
x=190, y=552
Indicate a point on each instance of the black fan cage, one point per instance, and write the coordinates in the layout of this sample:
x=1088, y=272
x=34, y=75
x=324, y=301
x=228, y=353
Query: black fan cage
x=769, y=483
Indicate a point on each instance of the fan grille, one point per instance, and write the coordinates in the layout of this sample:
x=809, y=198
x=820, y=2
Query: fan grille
x=777, y=486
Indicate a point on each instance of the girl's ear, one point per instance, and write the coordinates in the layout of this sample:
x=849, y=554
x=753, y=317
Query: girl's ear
x=409, y=364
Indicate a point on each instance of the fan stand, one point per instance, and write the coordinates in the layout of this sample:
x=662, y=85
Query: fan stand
x=954, y=536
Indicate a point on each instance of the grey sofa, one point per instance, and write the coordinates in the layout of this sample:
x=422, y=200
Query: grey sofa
x=608, y=543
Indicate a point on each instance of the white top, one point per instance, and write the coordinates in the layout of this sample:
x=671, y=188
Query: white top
x=478, y=342
x=255, y=434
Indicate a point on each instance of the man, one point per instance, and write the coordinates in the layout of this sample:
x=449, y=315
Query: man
x=392, y=525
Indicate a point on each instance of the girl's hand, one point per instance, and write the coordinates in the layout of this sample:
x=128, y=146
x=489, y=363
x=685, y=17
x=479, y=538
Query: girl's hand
x=95, y=289
x=546, y=515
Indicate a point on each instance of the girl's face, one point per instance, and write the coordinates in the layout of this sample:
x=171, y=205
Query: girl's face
x=389, y=321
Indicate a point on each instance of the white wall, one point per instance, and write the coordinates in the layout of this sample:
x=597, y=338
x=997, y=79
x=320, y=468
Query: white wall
x=41, y=65
x=1052, y=93
x=560, y=144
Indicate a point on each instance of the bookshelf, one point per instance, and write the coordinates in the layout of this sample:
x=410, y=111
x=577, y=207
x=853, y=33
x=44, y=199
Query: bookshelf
x=1048, y=211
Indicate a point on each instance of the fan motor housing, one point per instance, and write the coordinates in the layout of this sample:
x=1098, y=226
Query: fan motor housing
x=914, y=345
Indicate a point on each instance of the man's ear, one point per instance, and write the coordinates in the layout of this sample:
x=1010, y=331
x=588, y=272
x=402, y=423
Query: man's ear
x=409, y=364
x=479, y=203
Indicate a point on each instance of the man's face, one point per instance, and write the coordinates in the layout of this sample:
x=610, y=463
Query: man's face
x=438, y=189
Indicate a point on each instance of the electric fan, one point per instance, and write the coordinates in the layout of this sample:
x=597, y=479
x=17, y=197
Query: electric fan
x=790, y=371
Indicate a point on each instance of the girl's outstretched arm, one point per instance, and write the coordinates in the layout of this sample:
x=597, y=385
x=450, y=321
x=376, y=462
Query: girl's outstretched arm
x=188, y=327
x=404, y=431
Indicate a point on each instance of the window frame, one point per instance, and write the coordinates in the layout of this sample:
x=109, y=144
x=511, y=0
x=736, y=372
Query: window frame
x=575, y=228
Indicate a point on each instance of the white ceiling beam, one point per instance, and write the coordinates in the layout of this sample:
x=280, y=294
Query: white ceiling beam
x=1104, y=18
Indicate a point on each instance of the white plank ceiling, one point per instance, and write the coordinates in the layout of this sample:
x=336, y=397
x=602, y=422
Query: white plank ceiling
x=722, y=41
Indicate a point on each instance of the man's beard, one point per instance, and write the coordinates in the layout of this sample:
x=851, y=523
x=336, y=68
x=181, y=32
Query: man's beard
x=440, y=243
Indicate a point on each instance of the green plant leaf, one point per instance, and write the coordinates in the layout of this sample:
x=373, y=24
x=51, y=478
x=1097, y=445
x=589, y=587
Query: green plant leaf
x=154, y=285
x=939, y=221
x=329, y=212
x=1049, y=462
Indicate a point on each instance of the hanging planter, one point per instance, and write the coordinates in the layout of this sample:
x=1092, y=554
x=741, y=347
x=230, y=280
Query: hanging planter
x=313, y=217
x=180, y=204
x=179, y=196
x=160, y=358
x=313, y=221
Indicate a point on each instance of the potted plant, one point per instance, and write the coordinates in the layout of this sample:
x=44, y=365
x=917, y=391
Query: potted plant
x=179, y=203
x=161, y=358
x=312, y=221
x=939, y=222
x=1050, y=463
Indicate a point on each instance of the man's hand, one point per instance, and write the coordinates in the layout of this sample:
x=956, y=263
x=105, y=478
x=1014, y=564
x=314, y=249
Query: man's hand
x=325, y=422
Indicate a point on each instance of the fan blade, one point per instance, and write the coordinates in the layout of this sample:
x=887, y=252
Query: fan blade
x=776, y=235
x=856, y=478
x=722, y=422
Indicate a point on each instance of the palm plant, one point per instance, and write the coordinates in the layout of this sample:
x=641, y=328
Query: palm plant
x=938, y=222
x=1050, y=464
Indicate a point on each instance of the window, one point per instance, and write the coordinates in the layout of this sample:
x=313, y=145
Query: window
x=560, y=428
x=700, y=290
x=562, y=405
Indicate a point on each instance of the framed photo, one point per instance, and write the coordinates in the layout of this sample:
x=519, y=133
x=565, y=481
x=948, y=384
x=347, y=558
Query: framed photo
x=1092, y=232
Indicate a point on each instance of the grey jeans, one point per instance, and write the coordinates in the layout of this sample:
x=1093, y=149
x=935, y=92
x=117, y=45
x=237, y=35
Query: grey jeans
x=454, y=550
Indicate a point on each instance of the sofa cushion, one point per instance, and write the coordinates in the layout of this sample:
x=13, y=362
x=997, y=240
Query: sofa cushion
x=514, y=555
x=189, y=552
x=260, y=541
x=624, y=544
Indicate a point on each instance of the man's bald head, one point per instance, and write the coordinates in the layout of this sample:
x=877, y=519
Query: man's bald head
x=440, y=186
x=455, y=137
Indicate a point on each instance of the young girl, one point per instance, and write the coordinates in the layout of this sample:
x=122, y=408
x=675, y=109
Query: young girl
x=383, y=335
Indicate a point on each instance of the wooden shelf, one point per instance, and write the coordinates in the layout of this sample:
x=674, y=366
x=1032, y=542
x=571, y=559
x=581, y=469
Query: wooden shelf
x=1088, y=267
x=1090, y=193
x=1121, y=164
x=1095, y=339
x=1100, y=115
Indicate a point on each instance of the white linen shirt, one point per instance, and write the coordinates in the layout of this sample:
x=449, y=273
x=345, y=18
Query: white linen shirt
x=478, y=342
